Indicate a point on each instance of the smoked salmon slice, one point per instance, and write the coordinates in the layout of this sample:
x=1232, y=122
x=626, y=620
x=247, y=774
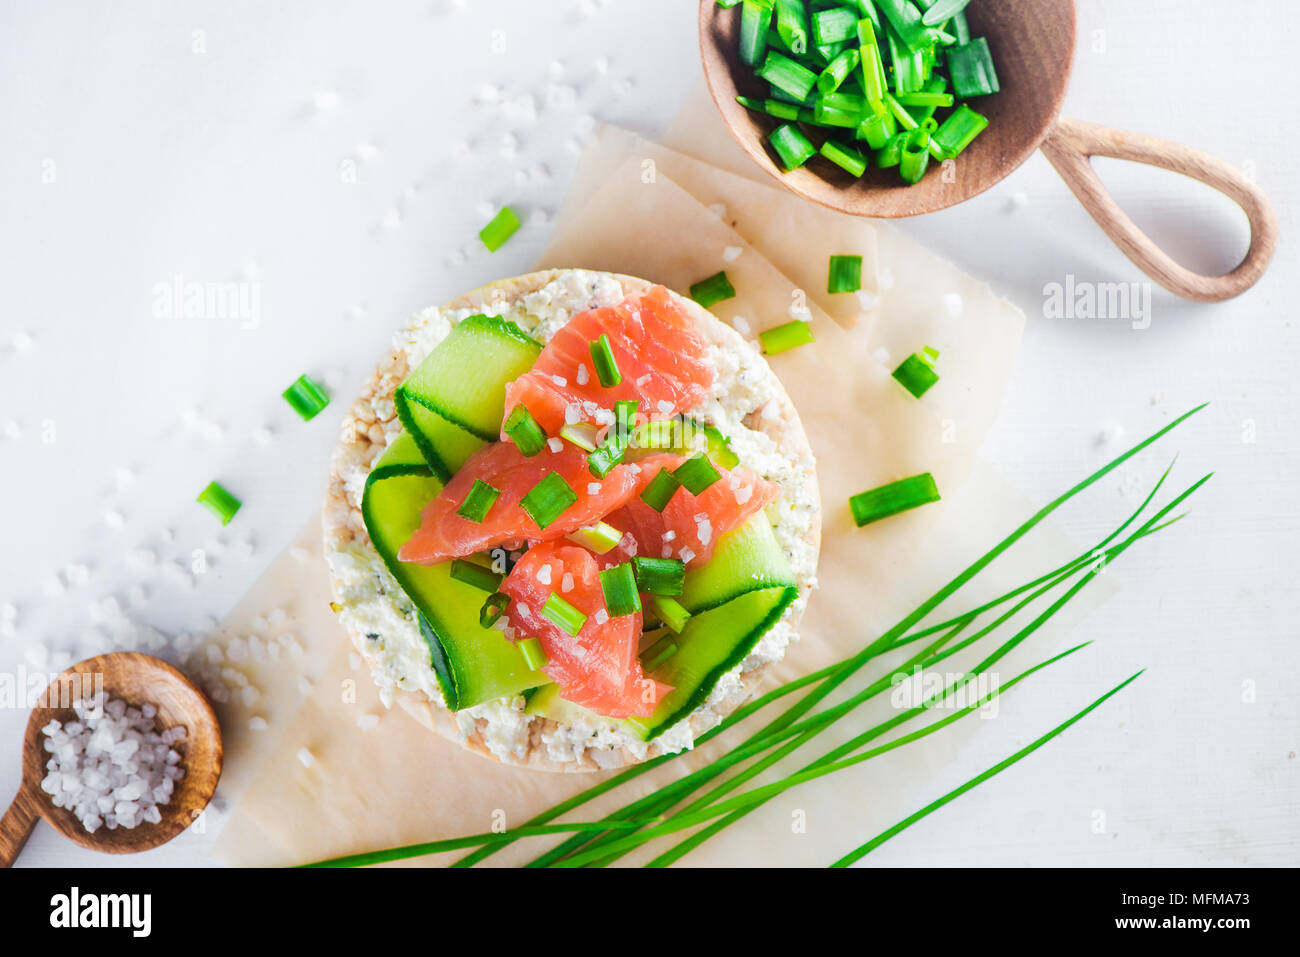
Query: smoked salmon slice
x=660, y=356
x=597, y=668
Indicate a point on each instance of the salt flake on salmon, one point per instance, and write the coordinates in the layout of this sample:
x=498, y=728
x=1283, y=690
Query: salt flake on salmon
x=598, y=667
x=444, y=534
x=690, y=525
x=659, y=354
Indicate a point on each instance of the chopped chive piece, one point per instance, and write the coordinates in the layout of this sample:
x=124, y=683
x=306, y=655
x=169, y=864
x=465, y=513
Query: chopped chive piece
x=534, y=655
x=660, y=490
x=834, y=25
x=792, y=146
x=563, y=615
x=658, y=653
x=624, y=419
x=494, y=606
x=942, y=10
x=472, y=573
x=696, y=474
x=602, y=461
x=844, y=274
x=958, y=130
x=504, y=225
x=582, y=434
x=971, y=67
x=670, y=612
x=599, y=538
x=548, y=499
x=783, y=338
x=619, y=587
x=792, y=25
x=839, y=109
x=916, y=373
x=907, y=23
x=720, y=448
x=925, y=99
x=960, y=28
x=306, y=397
x=900, y=113
x=658, y=434
x=524, y=431
x=891, y=154
x=478, y=501
x=715, y=289
x=220, y=502
x=875, y=130
x=900, y=496
x=754, y=20
x=727, y=4
x=659, y=576
x=909, y=65
x=915, y=157
x=602, y=357
x=836, y=72
x=788, y=76
x=777, y=108
x=845, y=157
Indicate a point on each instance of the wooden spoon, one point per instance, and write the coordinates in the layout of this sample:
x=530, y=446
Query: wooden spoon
x=1033, y=46
x=137, y=679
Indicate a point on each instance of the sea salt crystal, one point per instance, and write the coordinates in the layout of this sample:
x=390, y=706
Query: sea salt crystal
x=572, y=414
x=667, y=552
x=642, y=381
x=544, y=574
x=665, y=407
x=744, y=494
x=687, y=555
x=669, y=535
x=583, y=376
x=704, y=531
x=257, y=723
x=953, y=304
x=554, y=444
x=601, y=616
x=731, y=254
x=566, y=583
x=306, y=758
x=741, y=325
x=560, y=380
x=593, y=488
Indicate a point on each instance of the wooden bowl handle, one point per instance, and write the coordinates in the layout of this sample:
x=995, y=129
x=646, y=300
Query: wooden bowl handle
x=16, y=826
x=1070, y=146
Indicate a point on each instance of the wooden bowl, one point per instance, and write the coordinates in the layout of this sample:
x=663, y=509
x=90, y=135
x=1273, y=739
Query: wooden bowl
x=1032, y=42
x=137, y=679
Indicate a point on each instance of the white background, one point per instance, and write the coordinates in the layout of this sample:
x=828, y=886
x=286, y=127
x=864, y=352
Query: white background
x=212, y=140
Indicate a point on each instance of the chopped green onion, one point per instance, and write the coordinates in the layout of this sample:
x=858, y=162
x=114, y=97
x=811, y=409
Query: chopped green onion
x=548, y=499
x=697, y=473
x=958, y=130
x=916, y=373
x=905, y=119
x=602, y=357
x=834, y=25
x=727, y=4
x=971, y=67
x=660, y=490
x=659, y=576
x=792, y=146
x=478, y=502
x=907, y=23
x=658, y=653
x=836, y=72
x=658, y=434
x=915, y=157
x=504, y=225
x=709, y=292
x=602, y=461
x=306, y=397
x=220, y=502
x=670, y=612
x=777, y=108
x=720, y=448
x=909, y=65
x=524, y=431
x=582, y=434
x=783, y=338
x=839, y=109
x=786, y=75
x=754, y=19
x=900, y=496
x=472, y=573
x=961, y=28
x=845, y=157
x=891, y=154
x=563, y=615
x=618, y=584
x=625, y=419
x=925, y=99
x=534, y=655
x=942, y=10
x=845, y=274
x=876, y=130
x=599, y=538
x=494, y=606
x=792, y=25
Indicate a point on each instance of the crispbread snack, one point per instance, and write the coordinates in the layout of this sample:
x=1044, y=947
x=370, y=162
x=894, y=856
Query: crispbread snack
x=372, y=423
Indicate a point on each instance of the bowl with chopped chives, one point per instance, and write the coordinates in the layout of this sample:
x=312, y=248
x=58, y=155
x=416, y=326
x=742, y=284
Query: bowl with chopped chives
x=896, y=108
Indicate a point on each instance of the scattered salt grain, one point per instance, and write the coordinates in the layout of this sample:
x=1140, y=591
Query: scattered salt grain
x=601, y=616
x=566, y=583
x=953, y=304
x=257, y=723
x=741, y=325
x=669, y=535
x=544, y=574
x=583, y=376
x=687, y=555
x=704, y=531
x=593, y=488
x=306, y=758
x=731, y=254
x=554, y=444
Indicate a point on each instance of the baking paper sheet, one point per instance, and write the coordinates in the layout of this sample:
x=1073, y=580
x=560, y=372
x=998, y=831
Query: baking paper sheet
x=399, y=784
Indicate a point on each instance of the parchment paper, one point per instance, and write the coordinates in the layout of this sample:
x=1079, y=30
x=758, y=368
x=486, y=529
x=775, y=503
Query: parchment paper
x=399, y=784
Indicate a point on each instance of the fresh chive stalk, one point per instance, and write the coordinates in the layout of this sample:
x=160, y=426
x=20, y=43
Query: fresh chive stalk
x=916, y=373
x=836, y=72
x=600, y=538
x=220, y=502
x=792, y=146
x=602, y=461
x=534, y=655
x=754, y=20
x=524, y=431
x=670, y=612
x=582, y=434
x=494, y=606
x=478, y=502
x=618, y=585
x=602, y=357
x=660, y=490
x=793, y=79
x=891, y=499
x=559, y=612
x=659, y=576
x=845, y=157
x=844, y=274
x=971, y=67
x=306, y=397
x=959, y=130
x=697, y=474
x=717, y=288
